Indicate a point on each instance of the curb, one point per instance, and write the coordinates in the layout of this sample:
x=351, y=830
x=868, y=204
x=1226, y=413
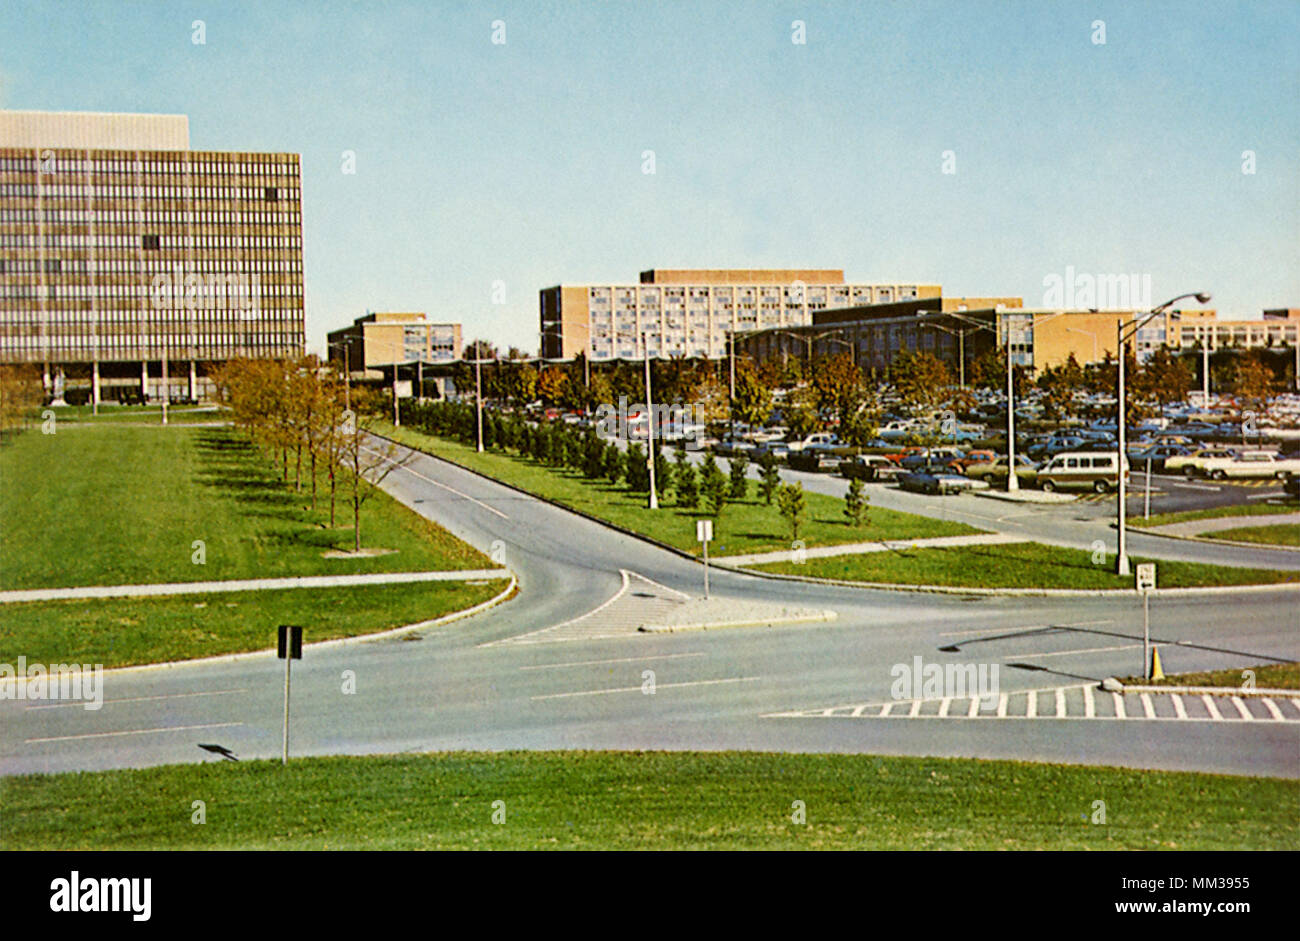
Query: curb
x=1205, y=690
x=821, y=617
x=504, y=595
x=876, y=586
x=1215, y=542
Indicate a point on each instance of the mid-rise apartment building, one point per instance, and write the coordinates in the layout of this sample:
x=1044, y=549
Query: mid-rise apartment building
x=125, y=256
x=383, y=339
x=691, y=312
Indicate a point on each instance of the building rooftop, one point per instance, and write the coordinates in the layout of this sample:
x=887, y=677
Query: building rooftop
x=90, y=130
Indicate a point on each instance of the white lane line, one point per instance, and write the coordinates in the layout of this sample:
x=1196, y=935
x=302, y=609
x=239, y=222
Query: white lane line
x=943, y=706
x=1179, y=709
x=1028, y=627
x=681, y=594
x=916, y=709
x=1197, y=487
x=1066, y=653
x=885, y=711
x=173, y=728
x=1120, y=713
x=1241, y=709
x=1002, y=706
x=1060, y=703
x=637, y=689
x=490, y=509
x=974, y=707
x=857, y=711
x=1264, y=496
x=1272, y=709
x=1148, y=708
x=587, y=663
x=1210, y=706
x=1089, y=707
x=109, y=702
x=1031, y=704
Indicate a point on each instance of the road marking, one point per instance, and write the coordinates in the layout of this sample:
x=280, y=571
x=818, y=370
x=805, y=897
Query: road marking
x=1031, y=704
x=1272, y=709
x=1241, y=709
x=109, y=702
x=885, y=711
x=490, y=509
x=1066, y=653
x=1002, y=706
x=1120, y=712
x=1060, y=702
x=1148, y=708
x=916, y=709
x=1210, y=706
x=587, y=663
x=589, y=626
x=974, y=707
x=1089, y=707
x=857, y=711
x=943, y=706
x=1264, y=496
x=1179, y=709
x=173, y=728
x=637, y=689
x=1198, y=487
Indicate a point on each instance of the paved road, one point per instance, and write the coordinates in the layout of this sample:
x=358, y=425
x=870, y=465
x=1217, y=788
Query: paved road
x=457, y=687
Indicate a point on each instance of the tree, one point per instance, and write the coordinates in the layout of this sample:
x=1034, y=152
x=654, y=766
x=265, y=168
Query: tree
x=739, y=467
x=684, y=482
x=1059, y=385
x=921, y=379
x=21, y=395
x=769, y=478
x=855, y=503
x=837, y=386
x=614, y=466
x=637, y=471
x=792, y=504
x=800, y=413
x=552, y=385
x=714, y=484
x=753, y=402
x=1169, y=377
x=369, y=460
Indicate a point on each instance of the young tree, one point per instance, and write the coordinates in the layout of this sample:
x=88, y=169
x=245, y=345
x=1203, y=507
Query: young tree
x=792, y=504
x=855, y=503
x=637, y=472
x=684, y=482
x=614, y=467
x=769, y=478
x=20, y=396
x=369, y=460
x=739, y=468
x=714, y=485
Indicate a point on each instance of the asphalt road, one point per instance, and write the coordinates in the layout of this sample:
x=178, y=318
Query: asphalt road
x=460, y=686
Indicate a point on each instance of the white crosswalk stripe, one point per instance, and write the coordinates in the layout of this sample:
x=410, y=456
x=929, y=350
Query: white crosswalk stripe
x=1073, y=702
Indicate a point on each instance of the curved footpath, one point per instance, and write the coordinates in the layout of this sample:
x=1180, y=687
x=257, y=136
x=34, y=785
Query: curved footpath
x=452, y=687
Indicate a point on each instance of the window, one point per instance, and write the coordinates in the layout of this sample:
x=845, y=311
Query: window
x=151, y=242
x=272, y=194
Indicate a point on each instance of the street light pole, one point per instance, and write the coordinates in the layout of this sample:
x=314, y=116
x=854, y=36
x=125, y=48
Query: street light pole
x=1013, y=482
x=650, y=425
x=478, y=397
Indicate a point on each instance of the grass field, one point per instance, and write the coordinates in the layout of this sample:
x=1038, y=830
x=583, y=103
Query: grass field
x=119, y=632
x=1017, y=565
x=744, y=527
x=1281, y=534
x=137, y=414
x=1258, y=508
x=120, y=504
x=1267, y=676
x=653, y=800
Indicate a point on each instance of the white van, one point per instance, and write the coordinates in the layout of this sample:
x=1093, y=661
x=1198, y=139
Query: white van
x=1085, y=469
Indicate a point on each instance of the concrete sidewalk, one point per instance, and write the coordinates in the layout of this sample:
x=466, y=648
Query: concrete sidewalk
x=1220, y=523
x=858, y=548
x=247, y=584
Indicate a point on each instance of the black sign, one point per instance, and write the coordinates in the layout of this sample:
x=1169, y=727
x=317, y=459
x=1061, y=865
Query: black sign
x=290, y=642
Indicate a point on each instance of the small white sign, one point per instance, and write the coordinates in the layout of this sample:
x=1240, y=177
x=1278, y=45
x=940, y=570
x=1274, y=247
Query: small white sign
x=704, y=530
x=1146, y=576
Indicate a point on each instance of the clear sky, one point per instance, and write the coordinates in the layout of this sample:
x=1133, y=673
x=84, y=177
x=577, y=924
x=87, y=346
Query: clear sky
x=522, y=162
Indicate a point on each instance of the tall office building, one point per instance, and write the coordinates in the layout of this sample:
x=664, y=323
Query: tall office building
x=690, y=313
x=125, y=255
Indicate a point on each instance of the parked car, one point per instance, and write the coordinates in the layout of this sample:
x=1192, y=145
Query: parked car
x=821, y=441
x=1157, y=455
x=944, y=456
x=873, y=467
x=777, y=449
x=1252, y=464
x=1097, y=470
x=981, y=456
x=996, y=471
x=935, y=477
x=1193, y=464
x=814, y=460
x=1292, y=486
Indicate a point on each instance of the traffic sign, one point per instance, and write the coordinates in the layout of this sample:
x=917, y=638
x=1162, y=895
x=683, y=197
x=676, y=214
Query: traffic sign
x=704, y=530
x=290, y=642
x=1146, y=576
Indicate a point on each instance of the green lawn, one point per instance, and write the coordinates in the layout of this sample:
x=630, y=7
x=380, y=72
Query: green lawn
x=646, y=800
x=744, y=527
x=1017, y=565
x=104, y=505
x=1267, y=676
x=142, y=414
x=1282, y=534
x=1258, y=508
x=119, y=632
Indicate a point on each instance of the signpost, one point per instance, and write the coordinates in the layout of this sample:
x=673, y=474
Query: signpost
x=288, y=649
x=1146, y=583
x=704, y=535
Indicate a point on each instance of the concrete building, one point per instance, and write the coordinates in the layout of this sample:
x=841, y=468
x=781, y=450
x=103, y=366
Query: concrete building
x=126, y=257
x=381, y=339
x=689, y=312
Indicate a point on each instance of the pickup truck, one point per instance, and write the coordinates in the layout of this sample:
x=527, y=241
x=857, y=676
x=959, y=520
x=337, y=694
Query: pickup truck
x=1255, y=464
x=870, y=467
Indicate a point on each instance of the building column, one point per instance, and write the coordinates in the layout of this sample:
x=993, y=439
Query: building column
x=144, y=379
x=94, y=382
x=194, y=382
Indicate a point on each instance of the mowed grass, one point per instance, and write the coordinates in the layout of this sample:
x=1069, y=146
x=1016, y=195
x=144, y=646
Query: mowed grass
x=646, y=800
x=104, y=505
x=743, y=527
x=1281, y=534
x=1016, y=565
x=1258, y=508
x=1267, y=676
x=118, y=632
x=142, y=414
